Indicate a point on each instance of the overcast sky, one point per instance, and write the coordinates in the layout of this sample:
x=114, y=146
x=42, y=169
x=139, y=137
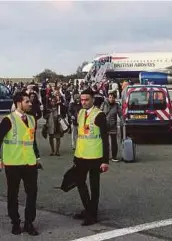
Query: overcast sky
x=61, y=35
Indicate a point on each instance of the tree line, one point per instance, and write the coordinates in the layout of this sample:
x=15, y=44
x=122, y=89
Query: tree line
x=53, y=77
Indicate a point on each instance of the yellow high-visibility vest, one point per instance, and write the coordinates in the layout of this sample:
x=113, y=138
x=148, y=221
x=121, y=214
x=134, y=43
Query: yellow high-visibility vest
x=89, y=143
x=18, y=143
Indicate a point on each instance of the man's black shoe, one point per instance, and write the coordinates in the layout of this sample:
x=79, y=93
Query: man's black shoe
x=89, y=221
x=30, y=229
x=79, y=216
x=16, y=229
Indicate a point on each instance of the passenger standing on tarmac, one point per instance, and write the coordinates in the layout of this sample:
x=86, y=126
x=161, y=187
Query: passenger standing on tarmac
x=36, y=106
x=112, y=109
x=56, y=110
x=19, y=159
x=91, y=155
x=74, y=108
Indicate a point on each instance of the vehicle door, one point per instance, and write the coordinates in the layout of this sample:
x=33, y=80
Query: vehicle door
x=5, y=99
x=161, y=104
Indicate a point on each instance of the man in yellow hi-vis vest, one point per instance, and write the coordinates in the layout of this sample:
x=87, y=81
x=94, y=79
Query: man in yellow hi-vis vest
x=91, y=155
x=17, y=137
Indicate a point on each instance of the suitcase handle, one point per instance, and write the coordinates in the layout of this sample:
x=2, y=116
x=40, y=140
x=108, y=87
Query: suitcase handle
x=124, y=131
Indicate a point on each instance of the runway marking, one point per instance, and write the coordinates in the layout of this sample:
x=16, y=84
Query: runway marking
x=126, y=231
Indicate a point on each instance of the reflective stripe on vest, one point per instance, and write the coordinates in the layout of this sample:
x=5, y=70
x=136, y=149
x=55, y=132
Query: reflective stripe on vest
x=14, y=142
x=89, y=137
x=89, y=142
x=14, y=124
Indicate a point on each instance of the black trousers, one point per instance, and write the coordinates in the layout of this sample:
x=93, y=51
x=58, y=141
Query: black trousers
x=14, y=175
x=90, y=200
x=114, y=145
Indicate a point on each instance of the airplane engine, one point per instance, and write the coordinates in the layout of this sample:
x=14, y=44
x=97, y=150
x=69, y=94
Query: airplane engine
x=155, y=78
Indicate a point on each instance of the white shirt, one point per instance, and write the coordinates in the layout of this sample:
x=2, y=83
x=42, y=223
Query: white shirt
x=114, y=86
x=89, y=110
x=18, y=113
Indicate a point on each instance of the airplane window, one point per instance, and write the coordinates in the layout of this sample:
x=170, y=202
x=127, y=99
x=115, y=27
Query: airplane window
x=4, y=92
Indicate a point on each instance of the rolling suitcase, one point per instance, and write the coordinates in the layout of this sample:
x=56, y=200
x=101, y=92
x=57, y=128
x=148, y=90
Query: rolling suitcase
x=128, y=148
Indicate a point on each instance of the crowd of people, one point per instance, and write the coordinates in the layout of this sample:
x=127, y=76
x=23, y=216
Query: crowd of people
x=88, y=111
x=51, y=101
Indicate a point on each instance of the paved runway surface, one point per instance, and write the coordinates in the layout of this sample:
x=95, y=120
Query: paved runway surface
x=131, y=194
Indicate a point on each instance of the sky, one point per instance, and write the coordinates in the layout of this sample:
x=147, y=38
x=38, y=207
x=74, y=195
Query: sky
x=60, y=35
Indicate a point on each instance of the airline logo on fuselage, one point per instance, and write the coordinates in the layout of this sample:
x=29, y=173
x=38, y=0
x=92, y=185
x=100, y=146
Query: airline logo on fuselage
x=130, y=65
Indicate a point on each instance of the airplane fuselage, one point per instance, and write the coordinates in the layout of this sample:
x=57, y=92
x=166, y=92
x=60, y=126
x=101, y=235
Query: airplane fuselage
x=157, y=61
x=131, y=65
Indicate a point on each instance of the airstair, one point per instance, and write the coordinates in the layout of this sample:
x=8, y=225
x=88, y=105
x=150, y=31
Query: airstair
x=98, y=70
x=101, y=73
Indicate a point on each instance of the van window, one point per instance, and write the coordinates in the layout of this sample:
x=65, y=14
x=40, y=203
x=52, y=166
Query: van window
x=4, y=92
x=139, y=100
x=159, y=100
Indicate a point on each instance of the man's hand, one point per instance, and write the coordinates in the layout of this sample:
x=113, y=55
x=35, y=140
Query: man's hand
x=104, y=167
x=1, y=165
x=39, y=164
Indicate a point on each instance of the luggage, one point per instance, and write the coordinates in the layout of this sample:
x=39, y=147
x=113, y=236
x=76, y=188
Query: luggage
x=128, y=148
x=63, y=121
x=69, y=180
x=64, y=124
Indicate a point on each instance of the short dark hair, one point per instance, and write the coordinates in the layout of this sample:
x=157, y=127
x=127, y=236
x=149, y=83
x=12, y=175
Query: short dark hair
x=33, y=93
x=113, y=93
x=88, y=91
x=18, y=97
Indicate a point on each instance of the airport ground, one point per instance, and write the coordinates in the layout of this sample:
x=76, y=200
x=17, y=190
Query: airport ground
x=131, y=194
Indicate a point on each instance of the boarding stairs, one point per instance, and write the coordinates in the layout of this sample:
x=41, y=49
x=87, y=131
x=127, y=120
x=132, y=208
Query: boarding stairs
x=98, y=70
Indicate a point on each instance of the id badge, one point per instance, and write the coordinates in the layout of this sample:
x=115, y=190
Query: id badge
x=86, y=129
x=31, y=133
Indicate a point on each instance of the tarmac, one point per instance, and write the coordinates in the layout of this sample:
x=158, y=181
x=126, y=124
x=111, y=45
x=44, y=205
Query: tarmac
x=131, y=194
x=54, y=227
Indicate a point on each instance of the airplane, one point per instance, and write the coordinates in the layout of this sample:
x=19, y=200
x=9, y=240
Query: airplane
x=153, y=66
